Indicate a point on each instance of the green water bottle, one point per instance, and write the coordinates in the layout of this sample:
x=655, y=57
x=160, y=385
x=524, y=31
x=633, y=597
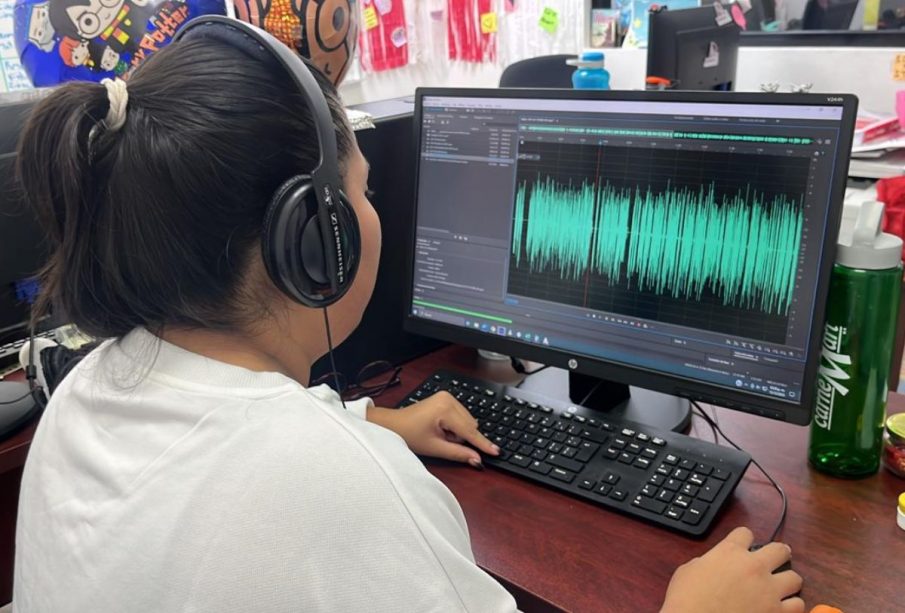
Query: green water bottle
x=858, y=338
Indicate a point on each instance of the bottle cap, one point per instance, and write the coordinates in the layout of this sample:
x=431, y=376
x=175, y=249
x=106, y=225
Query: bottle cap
x=862, y=243
x=588, y=59
x=895, y=426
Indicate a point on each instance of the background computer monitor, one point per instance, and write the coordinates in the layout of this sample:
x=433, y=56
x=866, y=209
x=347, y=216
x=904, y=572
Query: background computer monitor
x=713, y=219
x=688, y=48
x=829, y=14
x=22, y=244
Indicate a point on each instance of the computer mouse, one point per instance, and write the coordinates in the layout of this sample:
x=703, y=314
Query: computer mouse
x=781, y=568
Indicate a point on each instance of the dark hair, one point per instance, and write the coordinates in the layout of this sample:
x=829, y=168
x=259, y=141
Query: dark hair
x=156, y=225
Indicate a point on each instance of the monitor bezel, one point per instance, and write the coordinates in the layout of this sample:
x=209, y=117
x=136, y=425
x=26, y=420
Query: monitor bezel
x=794, y=412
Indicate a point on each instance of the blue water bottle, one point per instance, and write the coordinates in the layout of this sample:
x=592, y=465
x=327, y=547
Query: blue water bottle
x=590, y=74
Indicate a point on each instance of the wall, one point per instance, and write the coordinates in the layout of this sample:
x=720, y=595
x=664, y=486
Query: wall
x=866, y=72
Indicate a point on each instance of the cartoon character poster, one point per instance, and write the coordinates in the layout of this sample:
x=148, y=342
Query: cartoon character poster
x=324, y=31
x=63, y=40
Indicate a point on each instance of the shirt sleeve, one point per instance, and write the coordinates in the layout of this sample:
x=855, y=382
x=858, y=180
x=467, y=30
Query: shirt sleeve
x=358, y=408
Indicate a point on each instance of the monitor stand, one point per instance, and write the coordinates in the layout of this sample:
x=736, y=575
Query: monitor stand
x=617, y=400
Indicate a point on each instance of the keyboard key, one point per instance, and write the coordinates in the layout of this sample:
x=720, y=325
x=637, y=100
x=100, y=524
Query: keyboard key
x=657, y=479
x=671, y=459
x=513, y=445
x=501, y=430
x=581, y=419
x=546, y=409
x=526, y=438
x=586, y=451
x=641, y=436
x=498, y=440
x=562, y=475
x=663, y=469
x=687, y=464
x=611, y=453
x=642, y=463
x=594, y=435
x=532, y=428
x=672, y=485
x=710, y=490
x=674, y=513
x=566, y=415
x=649, y=490
x=540, y=467
x=514, y=434
x=603, y=489
x=650, y=454
x=569, y=452
x=545, y=432
x=526, y=450
x=659, y=442
x=587, y=484
x=555, y=447
x=607, y=426
x=574, y=430
x=547, y=422
x=539, y=454
x=696, y=479
x=533, y=405
x=507, y=398
x=690, y=490
x=594, y=422
x=633, y=448
x=560, y=437
x=618, y=494
x=611, y=478
x=541, y=442
x=573, y=441
x=649, y=504
x=629, y=433
x=519, y=460
x=626, y=458
x=489, y=393
x=562, y=462
x=619, y=443
x=680, y=474
x=703, y=469
x=520, y=402
x=665, y=496
x=721, y=473
x=695, y=513
x=682, y=501
x=533, y=418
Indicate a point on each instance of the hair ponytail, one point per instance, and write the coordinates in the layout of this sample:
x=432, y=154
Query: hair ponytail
x=55, y=172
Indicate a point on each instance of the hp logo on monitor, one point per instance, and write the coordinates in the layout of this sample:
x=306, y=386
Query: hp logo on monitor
x=573, y=363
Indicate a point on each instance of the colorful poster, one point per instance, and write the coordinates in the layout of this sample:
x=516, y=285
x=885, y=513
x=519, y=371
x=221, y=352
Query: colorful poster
x=384, y=37
x=469, y=38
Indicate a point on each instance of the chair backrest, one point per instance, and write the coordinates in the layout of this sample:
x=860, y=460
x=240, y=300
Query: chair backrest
x=543, y=71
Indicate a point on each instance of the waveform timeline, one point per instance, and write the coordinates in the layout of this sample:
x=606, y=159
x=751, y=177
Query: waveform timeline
x=704, y=239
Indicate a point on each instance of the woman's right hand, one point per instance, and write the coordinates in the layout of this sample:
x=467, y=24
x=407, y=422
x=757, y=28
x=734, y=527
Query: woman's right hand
x=731, y=579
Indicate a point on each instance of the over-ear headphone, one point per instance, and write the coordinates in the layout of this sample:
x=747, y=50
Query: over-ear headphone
x=310, y=240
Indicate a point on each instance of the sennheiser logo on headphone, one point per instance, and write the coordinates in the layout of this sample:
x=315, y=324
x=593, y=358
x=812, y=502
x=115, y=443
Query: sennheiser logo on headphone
x=340, y=262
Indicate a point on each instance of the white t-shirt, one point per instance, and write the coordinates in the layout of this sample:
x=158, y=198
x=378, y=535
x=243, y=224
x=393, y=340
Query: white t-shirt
x=160, y=480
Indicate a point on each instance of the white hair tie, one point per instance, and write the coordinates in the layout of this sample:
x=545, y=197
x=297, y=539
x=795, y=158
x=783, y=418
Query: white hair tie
x=118, y=96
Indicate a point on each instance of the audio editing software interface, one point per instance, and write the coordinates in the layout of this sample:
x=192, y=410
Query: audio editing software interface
x=681, y=238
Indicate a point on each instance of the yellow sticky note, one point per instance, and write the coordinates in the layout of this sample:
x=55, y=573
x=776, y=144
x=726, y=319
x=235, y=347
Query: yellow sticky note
x=488, y=23
x=898, y=67
x=370, y=18
x=549, y=20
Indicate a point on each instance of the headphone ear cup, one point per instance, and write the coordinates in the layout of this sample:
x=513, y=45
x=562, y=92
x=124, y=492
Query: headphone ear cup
x=351, y=236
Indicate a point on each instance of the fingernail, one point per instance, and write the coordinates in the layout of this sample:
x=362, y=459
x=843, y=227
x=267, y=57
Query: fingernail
x=476, y=463
x=789, y=549
x=495, y=449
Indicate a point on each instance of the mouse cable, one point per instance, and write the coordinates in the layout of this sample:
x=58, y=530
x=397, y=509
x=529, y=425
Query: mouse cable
x=782, y=493
x=332, y=360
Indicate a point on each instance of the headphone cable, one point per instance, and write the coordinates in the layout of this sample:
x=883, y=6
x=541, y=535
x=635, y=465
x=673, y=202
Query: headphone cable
x=332, y=360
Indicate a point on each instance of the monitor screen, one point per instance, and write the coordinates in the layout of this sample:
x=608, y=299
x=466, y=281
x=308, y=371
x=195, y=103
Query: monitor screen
x=676, y=240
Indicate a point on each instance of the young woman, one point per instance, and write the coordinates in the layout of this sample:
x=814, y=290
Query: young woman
x=184, y=465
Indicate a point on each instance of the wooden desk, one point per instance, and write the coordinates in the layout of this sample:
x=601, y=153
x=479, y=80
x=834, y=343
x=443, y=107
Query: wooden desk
x=575, y=556
x=555, y=551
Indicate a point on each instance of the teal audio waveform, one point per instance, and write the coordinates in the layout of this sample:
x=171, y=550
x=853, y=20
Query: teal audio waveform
x=678, y=242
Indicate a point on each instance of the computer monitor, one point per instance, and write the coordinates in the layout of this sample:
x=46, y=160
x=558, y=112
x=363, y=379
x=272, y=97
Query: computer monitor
x=675, y=241
x=828, y=14
x=23, y=248
x=689, y=49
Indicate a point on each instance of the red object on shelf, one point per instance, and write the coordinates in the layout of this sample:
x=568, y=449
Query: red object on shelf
x=891, y=192
x=466, y=41
x=384, y=35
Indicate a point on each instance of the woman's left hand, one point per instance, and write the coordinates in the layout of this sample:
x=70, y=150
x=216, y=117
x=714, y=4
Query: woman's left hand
x=438, y=426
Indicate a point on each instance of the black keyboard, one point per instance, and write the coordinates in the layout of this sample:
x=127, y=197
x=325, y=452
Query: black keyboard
x=670, y=479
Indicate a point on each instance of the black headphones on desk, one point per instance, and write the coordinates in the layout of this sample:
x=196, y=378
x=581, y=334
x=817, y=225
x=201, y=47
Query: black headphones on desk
x=310, y=240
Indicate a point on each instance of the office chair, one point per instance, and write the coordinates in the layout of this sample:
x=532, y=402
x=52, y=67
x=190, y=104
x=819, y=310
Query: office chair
x=543, y=71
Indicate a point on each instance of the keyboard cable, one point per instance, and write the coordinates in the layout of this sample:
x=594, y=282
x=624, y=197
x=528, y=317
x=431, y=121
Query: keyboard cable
x=782, y=493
